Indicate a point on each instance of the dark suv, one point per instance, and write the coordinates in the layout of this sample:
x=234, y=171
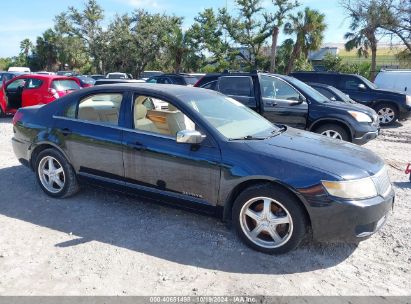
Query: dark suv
x=389, y=105
x=178, y=79
x=286, y=100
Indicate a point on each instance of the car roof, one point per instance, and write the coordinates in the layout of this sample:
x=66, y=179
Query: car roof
x=322, y=85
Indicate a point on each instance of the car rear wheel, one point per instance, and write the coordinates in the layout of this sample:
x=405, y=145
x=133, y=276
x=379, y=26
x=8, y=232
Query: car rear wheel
x=333, y=131
x=387, y=114
x=269, y=219
x=55, y=175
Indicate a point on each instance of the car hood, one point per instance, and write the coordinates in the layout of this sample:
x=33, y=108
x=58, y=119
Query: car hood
x=335, y=157
x=390, y=92
x=350, y=107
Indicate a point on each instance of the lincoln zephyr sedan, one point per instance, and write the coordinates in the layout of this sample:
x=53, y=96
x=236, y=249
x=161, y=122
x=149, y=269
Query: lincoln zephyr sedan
x=197, y=148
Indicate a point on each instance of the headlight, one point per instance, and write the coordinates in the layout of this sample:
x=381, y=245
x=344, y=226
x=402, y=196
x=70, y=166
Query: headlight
x=408, y=100
x=354, y=189
x=360, y=117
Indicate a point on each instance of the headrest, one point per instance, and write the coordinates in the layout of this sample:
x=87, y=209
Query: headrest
x=140, y=111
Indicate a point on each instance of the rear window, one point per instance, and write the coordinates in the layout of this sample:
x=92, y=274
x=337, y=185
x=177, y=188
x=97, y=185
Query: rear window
x=65, y=85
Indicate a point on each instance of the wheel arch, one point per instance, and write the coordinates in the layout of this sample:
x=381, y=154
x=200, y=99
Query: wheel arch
x=228, y=206
x=41, y=146
x=324, y=121
x=381, y=102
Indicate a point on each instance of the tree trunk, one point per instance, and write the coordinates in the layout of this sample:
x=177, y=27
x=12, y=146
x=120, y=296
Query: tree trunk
x=294, y=55
x=275, y=33
x=373, y=62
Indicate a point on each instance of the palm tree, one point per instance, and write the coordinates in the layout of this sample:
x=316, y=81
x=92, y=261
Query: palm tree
x=26, y=46
x=365, y=22
x=309, y=27
x=177, y=47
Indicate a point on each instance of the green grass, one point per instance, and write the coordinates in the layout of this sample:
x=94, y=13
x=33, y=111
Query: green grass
x=385, y=56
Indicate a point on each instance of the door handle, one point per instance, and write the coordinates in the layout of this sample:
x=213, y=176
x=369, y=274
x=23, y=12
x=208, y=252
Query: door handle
x=137, y=146
x=66, y=131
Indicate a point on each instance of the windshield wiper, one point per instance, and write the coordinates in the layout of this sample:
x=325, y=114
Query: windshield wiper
x=248, y=137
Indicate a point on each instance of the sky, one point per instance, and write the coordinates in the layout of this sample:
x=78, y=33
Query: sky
x=29, y=18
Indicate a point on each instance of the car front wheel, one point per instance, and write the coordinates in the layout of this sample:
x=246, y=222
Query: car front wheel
x=269, y=219
x=387, y=114
x=333, y=131
x=55, y=175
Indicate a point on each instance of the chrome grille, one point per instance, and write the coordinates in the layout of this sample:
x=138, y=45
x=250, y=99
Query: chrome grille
x=382, y=182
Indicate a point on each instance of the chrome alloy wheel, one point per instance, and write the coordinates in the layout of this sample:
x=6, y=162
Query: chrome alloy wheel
x=332, y=134
x=266, y=222
x=51, y=174
x=386, y=115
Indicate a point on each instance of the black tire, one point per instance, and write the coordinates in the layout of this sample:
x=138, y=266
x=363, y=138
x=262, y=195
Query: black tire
x=343, y=135
x=71, y=186
x=386, y=107
x=288, y=201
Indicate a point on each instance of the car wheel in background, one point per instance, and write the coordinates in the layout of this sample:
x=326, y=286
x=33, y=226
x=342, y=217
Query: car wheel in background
x=269, y=219
x=333, y=131
x=387, y=114
x=55, y=175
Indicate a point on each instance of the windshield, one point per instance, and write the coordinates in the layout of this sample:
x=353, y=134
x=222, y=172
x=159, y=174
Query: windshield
x=229, y=117
x=367, y=82
x=87, y=80
x=191, y=80
x=311, y=92
x=65, y=85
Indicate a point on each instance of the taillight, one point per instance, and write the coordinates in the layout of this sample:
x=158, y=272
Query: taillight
x=53, y=93
x=17, y=117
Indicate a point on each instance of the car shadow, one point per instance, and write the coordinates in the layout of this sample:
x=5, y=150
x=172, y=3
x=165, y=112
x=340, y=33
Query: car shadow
x=394, y=125
x=403, y=185
x=150, y=228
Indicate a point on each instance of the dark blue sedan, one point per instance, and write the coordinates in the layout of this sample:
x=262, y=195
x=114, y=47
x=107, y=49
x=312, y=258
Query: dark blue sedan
x=200, y=149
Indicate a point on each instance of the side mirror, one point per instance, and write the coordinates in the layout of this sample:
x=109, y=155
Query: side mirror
x=301, y=99
x=362, y=87
x=190, y=137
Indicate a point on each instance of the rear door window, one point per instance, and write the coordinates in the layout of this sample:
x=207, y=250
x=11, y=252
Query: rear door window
x=326, y=93
x=236, y=86
x=103, y=108
x=64, y=85
x=211, y=85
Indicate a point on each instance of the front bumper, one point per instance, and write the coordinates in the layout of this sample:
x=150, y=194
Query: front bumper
x=366, y=137
x=350, y=221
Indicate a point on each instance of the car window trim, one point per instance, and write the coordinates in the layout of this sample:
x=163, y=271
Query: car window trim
x=41, y=84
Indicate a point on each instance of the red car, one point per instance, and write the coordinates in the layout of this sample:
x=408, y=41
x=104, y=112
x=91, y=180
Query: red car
x=30, y=90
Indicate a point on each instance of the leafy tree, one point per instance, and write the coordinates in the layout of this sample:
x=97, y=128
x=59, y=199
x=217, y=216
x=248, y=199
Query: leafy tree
x=249, y=30
x=283, y=7
x=308, y=26
x=46, y=50
x=365, y=24
x=26, y=46
x=177, y=47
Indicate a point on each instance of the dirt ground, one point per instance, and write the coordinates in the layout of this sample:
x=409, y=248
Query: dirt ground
x=104, y=243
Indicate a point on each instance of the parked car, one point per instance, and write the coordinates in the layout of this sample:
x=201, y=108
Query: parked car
x=114, y=81
x=389, y=105
x=148, y=74
x=286, y=100
x=66, y=73
x=396, y=80
x=19, y=69
x=178, y=79
x=6, y=76
x=331, y=93
x=97, y=76
x=118, y=75
x=208, y=152
x=29, y=90
x=85, y=81
x=45, y=73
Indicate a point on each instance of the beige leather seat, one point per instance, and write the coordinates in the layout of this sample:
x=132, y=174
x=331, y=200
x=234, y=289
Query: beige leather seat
x=141, y=122
x=88, y=113
x=177, y=121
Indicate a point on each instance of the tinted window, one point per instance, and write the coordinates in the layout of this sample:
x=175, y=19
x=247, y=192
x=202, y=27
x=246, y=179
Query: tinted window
x=350, y=83
x=65, y=85
x=275, y=88
x=211, y=85
x=178, y=80
x=104, y=108
x=328, y=79
x=33, y=83
x=325, y=92
x=191, y=80
x=152, y=80
x=306, y=77
x=236, y=85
